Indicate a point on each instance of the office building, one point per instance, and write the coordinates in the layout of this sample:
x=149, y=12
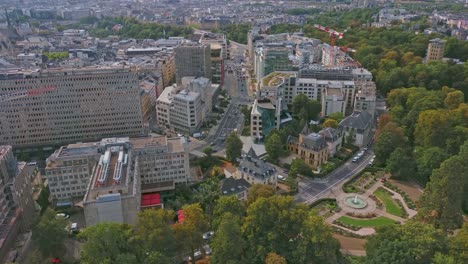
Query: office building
x=270, y=58
x=163, y=164
x=192, y=60
x=435, y=50
x=186, y=114
x=53, y=107
x=17, y=210
x=184, y=107
x=310, y=147
x=129, y=171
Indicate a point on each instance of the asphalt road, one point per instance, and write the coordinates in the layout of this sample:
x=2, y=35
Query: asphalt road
x=311, y=190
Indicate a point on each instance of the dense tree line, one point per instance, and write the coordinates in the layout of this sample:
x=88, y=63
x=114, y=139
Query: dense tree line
x=131, y=28
x=425, y=138
x=264, y=229
x=235, y=32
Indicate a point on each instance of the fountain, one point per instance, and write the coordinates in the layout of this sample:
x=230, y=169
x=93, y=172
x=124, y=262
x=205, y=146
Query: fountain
x=355, y=202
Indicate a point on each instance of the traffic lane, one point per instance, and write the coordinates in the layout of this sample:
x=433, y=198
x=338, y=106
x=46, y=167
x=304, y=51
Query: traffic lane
x=340, y=174
x=361, y=166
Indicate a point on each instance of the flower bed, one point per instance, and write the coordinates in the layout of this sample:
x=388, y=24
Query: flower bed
x=410, y=203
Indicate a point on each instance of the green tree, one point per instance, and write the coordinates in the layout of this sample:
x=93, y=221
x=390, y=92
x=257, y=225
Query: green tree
x=432, y=128
x=273, y=258
x=458, y=245
x=389, y=138
x=228, y=244
x=305, y=239
x=305, y=109
x=107, y=243
x=454, y=99
x=208, y=150
x=401, y=164
x=427, y=160
x=233, y=147
x=227, y=204
x=274, y=147
x=189, y=233
x=152, y=232
x=338, y=116
x=257, y=191
x=411, y=243
x=441, y=202
x=49, y=234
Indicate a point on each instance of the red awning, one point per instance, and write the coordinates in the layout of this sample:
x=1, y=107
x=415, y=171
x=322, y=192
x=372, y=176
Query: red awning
x=149, y=199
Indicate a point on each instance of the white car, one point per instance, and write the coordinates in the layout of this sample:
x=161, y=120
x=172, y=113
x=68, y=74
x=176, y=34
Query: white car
x=208, y=235
x=197, y=255
x=281, y=177
x=63, y=215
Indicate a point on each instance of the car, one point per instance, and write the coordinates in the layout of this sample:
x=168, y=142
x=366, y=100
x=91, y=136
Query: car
x=74, y=228
x=365, y=149
x=355, y=159
x=281, y=177
x=63, y=215
x=207, y=250
x=212, y=143
x=197, y=255
x=208, y=235
x=383, y=180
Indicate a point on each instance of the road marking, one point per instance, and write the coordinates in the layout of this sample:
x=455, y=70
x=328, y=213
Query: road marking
x=359, y=167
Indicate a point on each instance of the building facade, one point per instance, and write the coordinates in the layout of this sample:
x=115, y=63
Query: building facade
x=435, y=50
x=54, y=107
x=256, y=171
x=17, y=209
x=192, y=60
x=163, y=164
x=310, y=147
x=358, y=126
x=184, y=107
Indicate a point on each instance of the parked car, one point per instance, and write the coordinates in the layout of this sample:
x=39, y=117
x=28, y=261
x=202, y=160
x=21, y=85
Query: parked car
x=63, y=215
x=197, y=255
x=207, y=249
x=208, y=235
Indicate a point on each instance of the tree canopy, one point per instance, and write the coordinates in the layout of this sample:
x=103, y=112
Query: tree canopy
x=233, y=147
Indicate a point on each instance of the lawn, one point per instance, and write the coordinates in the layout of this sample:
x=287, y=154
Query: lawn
x=390, y=205
x=379, y=221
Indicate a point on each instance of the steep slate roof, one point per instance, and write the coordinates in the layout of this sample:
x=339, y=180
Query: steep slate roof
x=230, y=186
x=330, y=133
x=255, y=167
x=313, y=141
x=357, y=120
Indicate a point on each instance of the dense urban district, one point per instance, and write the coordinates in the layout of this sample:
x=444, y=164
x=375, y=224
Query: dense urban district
x=234, y=132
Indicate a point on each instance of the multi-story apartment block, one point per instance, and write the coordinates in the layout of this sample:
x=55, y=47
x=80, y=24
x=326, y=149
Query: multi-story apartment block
x=366, y=98
x=69, y=168
x=435, y=50
x=52, y=107
x=256, y=171
x=310, y=147
x=162, y=162
x=192, y=60
x=186, y=115
x=184, y=107
x=17, y=208
x=335, y=96
x=219, y=39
